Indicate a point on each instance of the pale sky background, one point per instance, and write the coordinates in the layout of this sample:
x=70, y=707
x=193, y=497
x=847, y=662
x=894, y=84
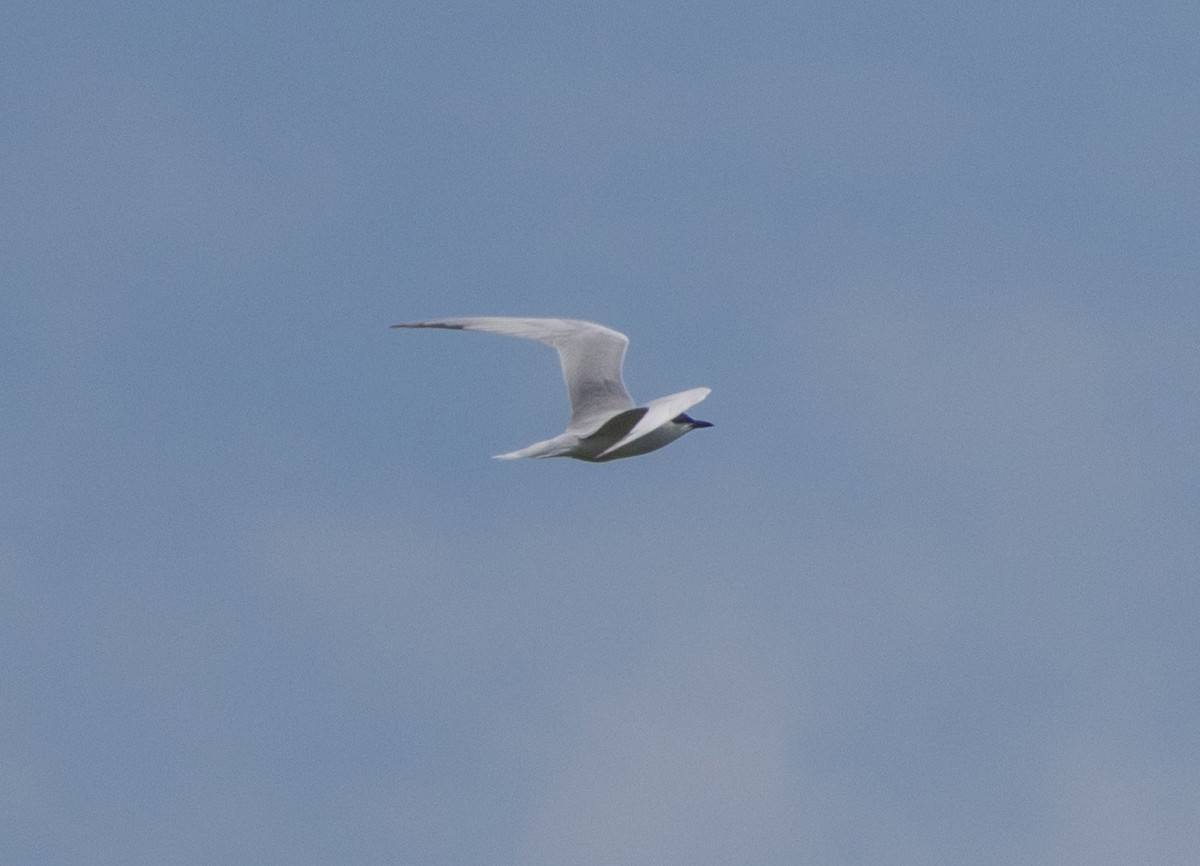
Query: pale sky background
x=926, y=594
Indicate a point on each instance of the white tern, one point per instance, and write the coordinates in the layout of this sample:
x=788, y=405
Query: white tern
x=605, y=423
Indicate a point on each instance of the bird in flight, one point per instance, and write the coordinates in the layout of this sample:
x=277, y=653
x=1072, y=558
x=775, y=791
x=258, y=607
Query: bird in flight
x=605, y=423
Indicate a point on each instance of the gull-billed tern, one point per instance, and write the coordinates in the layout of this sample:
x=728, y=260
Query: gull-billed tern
x=605, y=423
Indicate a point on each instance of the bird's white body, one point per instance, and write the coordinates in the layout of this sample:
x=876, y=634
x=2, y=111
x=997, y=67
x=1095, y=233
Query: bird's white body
x=605, y=423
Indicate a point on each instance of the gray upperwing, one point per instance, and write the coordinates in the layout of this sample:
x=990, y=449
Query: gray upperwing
x=618, y=426
x=591, y=356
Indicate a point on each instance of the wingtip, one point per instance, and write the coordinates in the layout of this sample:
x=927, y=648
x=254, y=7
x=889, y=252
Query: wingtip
x=448, y=324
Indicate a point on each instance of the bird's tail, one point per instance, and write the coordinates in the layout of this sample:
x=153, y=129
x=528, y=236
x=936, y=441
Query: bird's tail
x=555, y=447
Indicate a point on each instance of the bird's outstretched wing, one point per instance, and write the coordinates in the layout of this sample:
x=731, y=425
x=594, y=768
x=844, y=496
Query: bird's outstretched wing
x=591, y=356
x=659, y=412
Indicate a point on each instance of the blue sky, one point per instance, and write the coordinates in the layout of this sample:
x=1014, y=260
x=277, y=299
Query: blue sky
x=926, y=593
